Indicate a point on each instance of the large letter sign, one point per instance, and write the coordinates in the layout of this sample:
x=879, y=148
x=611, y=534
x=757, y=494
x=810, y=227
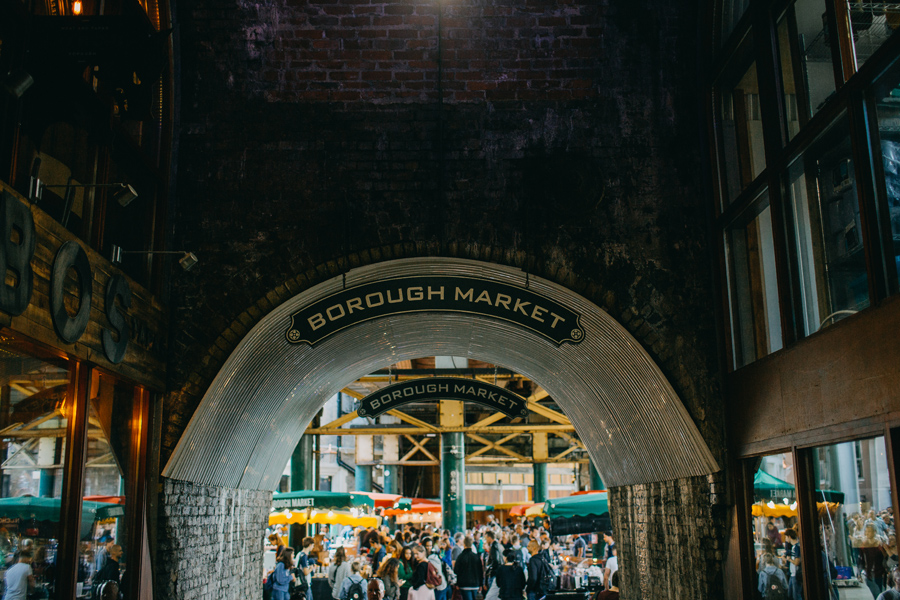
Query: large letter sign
x=16, y=256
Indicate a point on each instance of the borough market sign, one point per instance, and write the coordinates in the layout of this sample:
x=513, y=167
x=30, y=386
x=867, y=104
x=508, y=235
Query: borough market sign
x=435, y=293
x=443, y=388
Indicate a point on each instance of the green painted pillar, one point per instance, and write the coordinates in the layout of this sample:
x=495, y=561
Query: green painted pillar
x=391, y=478
x=302, y=478
x=363, y=478
x=596, y=480
x=540, y=482
x=453, y=481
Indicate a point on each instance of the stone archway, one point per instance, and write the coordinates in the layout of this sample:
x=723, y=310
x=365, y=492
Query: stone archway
x=633, y=424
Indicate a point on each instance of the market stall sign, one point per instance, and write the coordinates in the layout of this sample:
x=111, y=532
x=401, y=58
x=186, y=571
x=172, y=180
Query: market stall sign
x=443, y=388
x=438, y=293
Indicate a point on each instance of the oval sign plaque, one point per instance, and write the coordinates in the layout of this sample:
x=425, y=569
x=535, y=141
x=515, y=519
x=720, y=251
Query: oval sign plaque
x=443, y=388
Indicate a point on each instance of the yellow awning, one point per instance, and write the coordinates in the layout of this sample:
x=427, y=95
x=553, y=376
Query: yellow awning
x=535, y=511
x=331, y=517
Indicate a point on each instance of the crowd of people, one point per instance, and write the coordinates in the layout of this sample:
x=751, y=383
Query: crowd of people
x=487, y=562
x=870, y=549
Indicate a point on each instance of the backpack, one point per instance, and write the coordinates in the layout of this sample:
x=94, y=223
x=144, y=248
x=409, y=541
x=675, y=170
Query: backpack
x=775, y=588
x=433, y=579
x=269, y=584
x=357, y=590
x=548, y=577
x=449, y=575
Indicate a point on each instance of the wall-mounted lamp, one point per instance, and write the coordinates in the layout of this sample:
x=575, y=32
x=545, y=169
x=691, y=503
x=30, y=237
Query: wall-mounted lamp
x=17, y=83
x=77, y=8
x=187, y=260
x=124, y=196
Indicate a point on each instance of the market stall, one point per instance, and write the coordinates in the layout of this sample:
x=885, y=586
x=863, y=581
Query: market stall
x=419, y=510
x=585, y=513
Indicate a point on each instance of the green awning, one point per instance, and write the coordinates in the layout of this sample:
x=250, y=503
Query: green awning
x=48, y=509
x=582, y=505
x=315, y=499
x=768, y=487
x=478, y=507
x=403, y=504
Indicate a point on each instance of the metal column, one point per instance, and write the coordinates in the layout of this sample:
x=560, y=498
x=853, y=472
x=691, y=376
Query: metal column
x=596, y=480
x=453, y=481
x=540, y=482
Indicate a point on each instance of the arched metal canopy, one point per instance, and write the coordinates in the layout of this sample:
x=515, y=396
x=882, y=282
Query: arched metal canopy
x=632, y=423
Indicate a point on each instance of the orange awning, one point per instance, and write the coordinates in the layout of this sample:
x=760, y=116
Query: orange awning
x=419, y=505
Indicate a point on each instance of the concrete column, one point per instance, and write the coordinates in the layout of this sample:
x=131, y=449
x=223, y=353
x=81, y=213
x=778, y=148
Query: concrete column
x=540, y=482
x=453, y=481
x=596, y=480
x=365, y=447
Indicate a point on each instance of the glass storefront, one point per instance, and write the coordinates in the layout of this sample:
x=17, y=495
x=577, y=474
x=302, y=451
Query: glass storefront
x=773, y=519
x=855, y=526
x=886, y=100
x=36, y=391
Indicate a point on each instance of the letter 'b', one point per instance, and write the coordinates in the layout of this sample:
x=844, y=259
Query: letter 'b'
x=16, y=257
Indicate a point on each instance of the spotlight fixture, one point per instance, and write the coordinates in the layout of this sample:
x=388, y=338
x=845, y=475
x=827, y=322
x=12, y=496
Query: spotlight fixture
x=17, y=83
x=125, y=194
x=77, y=8
x=187, y=261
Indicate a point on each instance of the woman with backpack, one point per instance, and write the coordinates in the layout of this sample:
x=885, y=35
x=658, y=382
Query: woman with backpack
x=282, y=576
x=423, y=582
x=441, y=589
x=354, y=586
x=772, y=584
x=535, y=569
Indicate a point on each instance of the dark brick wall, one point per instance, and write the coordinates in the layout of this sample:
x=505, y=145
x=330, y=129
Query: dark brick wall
x=567, y=141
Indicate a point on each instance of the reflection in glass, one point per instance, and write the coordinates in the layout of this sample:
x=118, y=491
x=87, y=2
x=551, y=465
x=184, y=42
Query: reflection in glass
x=773, y=515
x=827, y=230
x=887, y=102
x=105, y=550
x=743, y=151
x=806, y=62
x=871, y=24
x=731, y=12
x=752, y=285
x=856, y=534
x=32, y=416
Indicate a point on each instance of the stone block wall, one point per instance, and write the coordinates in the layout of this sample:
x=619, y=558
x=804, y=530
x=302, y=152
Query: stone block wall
x=671, y=538
x=210, y=542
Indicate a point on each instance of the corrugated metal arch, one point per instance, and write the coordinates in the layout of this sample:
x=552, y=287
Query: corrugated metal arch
x=633, y=424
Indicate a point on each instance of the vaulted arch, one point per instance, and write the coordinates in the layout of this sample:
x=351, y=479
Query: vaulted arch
x=632, y=423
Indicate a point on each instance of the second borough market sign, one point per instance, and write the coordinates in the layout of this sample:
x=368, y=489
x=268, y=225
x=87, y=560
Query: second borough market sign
x=443, y=388
x=435, y=293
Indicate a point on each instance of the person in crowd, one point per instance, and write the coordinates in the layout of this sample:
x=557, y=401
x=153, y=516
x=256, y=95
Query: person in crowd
x=510, y=577
x=375, y=590
x=376, y=553
x=110, y=570
x=388, y=574
x=19, y=580
x=457, y=548
x=493, y=558
x=610, y=544
x=101, y=556
x=771, y=578
x=354, y=586
x=612, y=566
x=405, y=571
x=534, y=588
x=793, y=558
x=420, y=586
x=522, y=553
x=338, y=571
x=275, y=540
x=579, y=547
x=893, y=591
x=305, y=566
x=613, y=592
x=468, y=570
x=283, y=575
x=427, y=543
x=442, y=590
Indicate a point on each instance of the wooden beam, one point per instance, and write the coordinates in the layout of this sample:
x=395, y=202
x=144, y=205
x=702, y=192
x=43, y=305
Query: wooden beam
x=394, y=430
x=338, y=422
x=352, y=393
x=570, y=438
x=488, y=420
x=418, y=446
x=565, y=452
x=538, y=395
x=549, y=413
x=497, y=446
x=413, y=421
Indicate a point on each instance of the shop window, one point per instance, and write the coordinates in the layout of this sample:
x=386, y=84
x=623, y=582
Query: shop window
x=32, y=415
x=773, y=519
x=741, y=133
x=806, y=62
x=871, y=24
x=106, y=476
x=752, y=284
x=827, y=230
x=887, y=109
x=855, y=528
